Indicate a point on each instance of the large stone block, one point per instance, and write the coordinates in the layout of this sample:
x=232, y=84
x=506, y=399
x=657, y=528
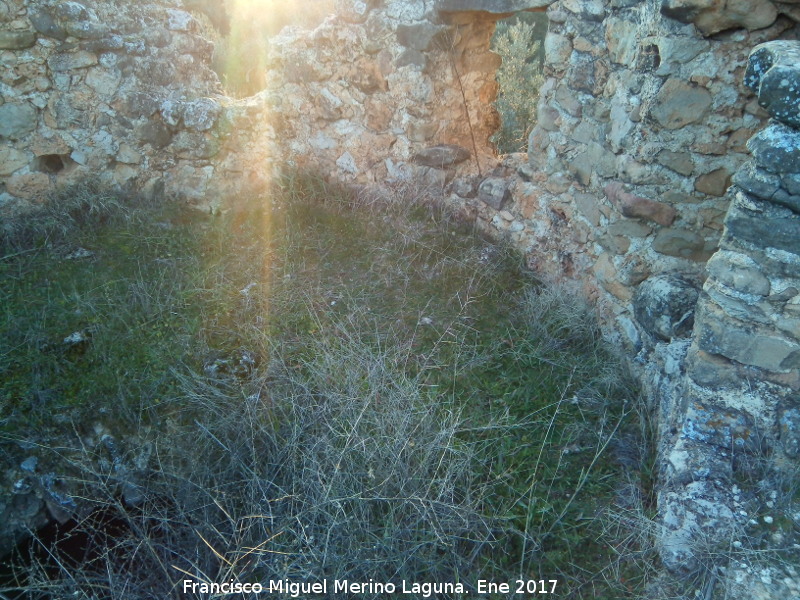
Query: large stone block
x=636, y=207
x=17, y=119
x=681, y=243
x=773, y=72
x=766, y=232
x=664, y=305
x=16, y=40
x=713, y=16
x=777, y=148
x=678, y=104
x=745, y=343
x=442, y=156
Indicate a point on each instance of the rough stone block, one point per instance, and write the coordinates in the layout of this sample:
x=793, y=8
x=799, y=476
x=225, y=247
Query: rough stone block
x=766, y=232
x=17, y=40
x=720, y=426
x=69, y=61
x=17, y=119
x=494, y=192
x=773, y=72
x=12, y=160
x=714, y=183
x=789, y=426
x=419, y=36
x=664, y=305
x=636, y=207
x=496, y=7
x=680, y=162
x=777, y=148
x=681, y=243
x=442, y=156
x=30, y=186
x=738, y=272
x=757, y=182
x=713, y=16
x=678, y=104
x=717, y=334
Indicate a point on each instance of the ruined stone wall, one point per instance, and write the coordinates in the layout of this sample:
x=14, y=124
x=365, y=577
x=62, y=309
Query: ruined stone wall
x=110, y=89
x=643, y=120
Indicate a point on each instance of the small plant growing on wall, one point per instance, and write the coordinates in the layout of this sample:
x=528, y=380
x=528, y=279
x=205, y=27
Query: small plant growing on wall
x=519, y=79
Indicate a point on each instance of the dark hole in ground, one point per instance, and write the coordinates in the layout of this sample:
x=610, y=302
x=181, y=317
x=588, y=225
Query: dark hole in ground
x=58, y=551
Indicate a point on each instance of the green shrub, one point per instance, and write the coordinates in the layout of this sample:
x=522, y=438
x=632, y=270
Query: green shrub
x=519, y=78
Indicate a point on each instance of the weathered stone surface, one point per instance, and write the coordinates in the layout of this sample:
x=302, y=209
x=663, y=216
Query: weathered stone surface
x=636, y=207
x=682, y=243
x=757, y=182
x=494, y=192
x=30, y=186
x=678, y=104
x=773, y=72
x=680, y=162
x=777, y=148
x=770, y=232
x=352, y=11
x=16, y=40
x=47, y=25
x=714, y=183
x=491, y=6
x=724, y=427
x=17, y=119
x=418, y=36
x=738, y=272
x=442, y=156
x=12, y=160
x=745, y=343
x=69, y=61
x=713, y=16
x=664, y=305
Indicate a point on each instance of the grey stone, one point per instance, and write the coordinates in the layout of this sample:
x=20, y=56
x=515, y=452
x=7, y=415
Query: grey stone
x=713, y=16
x=738, y=272
x=789, y=426
x=791, y=181
x=464, y=187
x=766, y=232
x=494, y=192
x=568, y=100
x=678, y=104
x=352, y=11
x=44, y=23
x=745, y=343
x=773, y=72
x=681, y=243
x=664, y=306
x=442, y=156
x=111, y=43
x=201, y=114
x=777, y=148
x=411, y=57
x=757, y=182
x=790, y=201
x=17, y=120
x=85, y=30
x=69, y=61
x=680, y=162
x=491, y=6
x=721, y=426
x=417, y=37
x=16, y=40
x=189, y=144
x=155, y=133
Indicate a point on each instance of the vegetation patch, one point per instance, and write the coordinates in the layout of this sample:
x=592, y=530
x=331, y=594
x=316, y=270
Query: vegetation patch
x=315, y=385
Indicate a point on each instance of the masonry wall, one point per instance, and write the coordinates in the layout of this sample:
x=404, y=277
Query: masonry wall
x=643, y=121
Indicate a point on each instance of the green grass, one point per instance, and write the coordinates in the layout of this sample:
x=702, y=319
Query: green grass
x=396, y=364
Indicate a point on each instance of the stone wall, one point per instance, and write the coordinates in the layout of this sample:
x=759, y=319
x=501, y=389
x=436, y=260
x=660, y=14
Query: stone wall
x=111, y=89
x=643, y=120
